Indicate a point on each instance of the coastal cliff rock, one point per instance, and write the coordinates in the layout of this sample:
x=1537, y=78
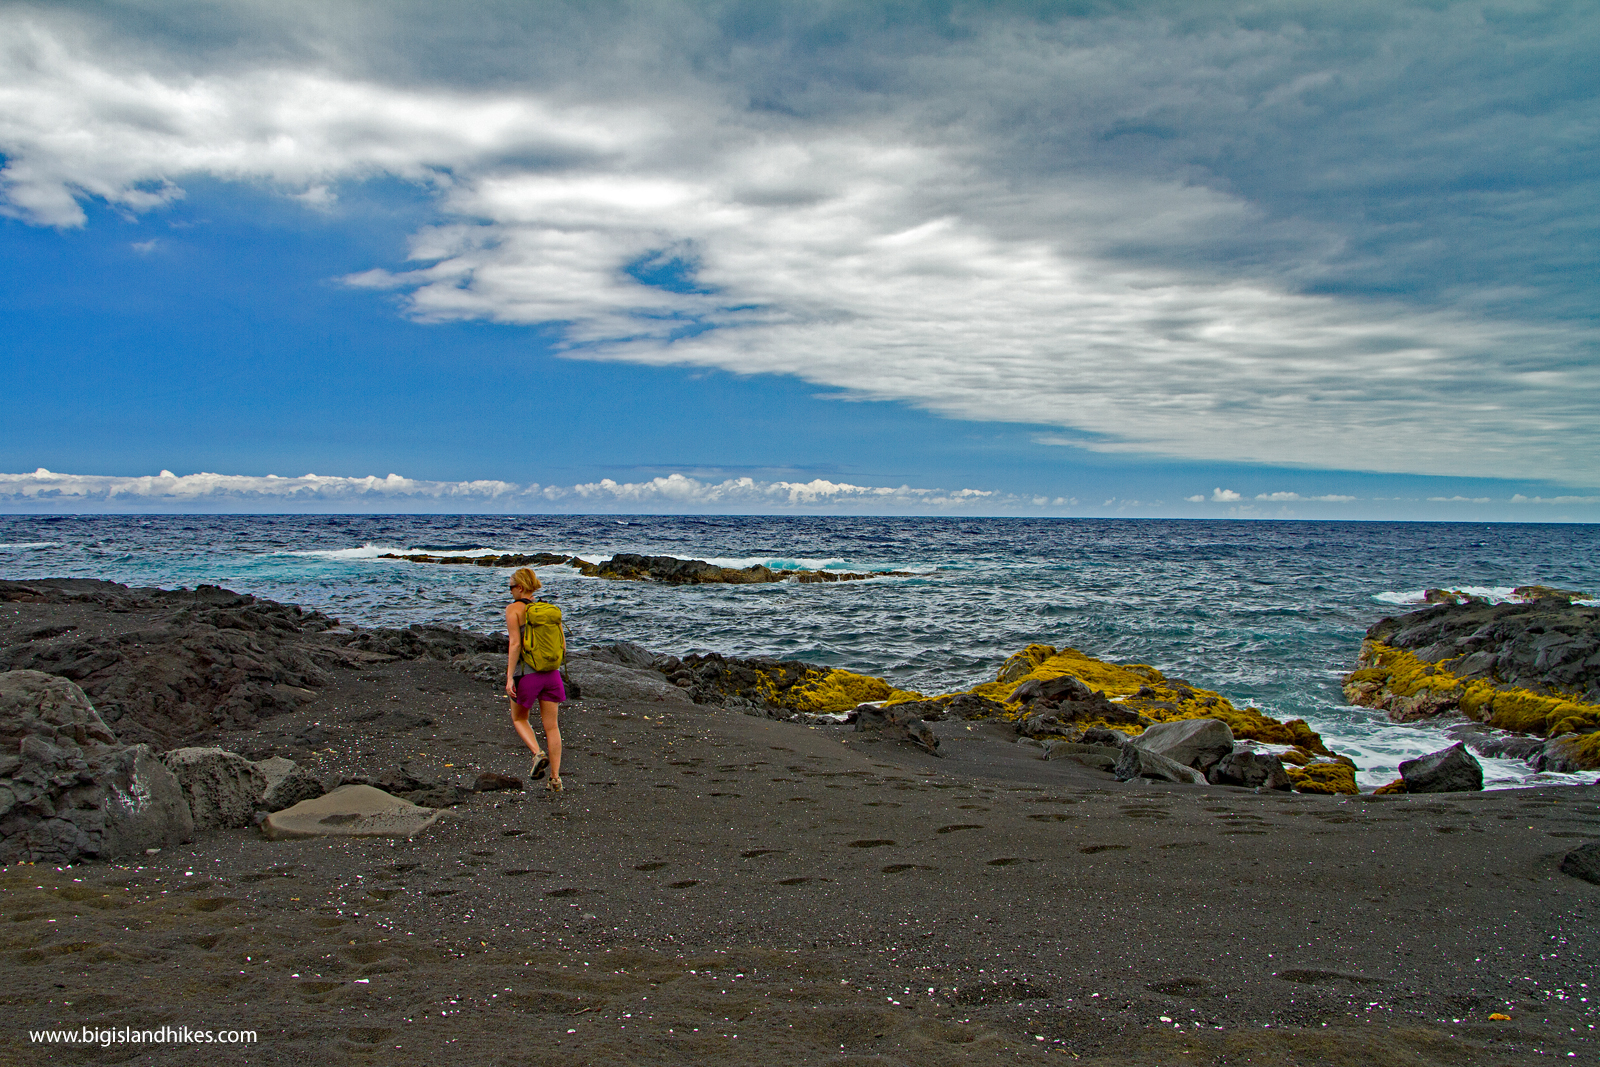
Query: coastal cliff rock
x=68, y=789
x=168, y=668
x=1531, y=668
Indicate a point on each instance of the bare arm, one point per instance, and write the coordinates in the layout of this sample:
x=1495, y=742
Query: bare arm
x=514, y=615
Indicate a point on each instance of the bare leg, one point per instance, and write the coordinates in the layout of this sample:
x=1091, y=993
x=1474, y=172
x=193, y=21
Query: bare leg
x=548, y=710
x=519, y=723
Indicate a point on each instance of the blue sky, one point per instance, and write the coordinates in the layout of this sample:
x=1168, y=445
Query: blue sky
x=1211, y=259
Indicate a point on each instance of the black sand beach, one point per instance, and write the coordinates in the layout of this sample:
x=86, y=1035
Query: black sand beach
x=716, y=887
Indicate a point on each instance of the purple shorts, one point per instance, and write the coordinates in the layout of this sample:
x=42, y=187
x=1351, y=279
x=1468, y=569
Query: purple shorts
x=545, y=685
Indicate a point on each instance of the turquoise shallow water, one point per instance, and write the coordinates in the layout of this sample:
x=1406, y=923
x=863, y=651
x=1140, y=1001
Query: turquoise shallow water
x=1269, y=613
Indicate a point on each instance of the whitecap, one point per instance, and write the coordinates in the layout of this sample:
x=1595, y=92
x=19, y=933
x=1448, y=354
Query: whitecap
x=31, y=544
x=1494, y=594
x=367, y=551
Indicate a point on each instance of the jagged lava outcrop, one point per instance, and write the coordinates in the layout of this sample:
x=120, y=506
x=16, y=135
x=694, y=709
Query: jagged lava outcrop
x=1532, y=668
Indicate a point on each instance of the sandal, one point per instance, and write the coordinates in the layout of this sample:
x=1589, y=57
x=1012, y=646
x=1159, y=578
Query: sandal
x=541, y=763
x=554, y=785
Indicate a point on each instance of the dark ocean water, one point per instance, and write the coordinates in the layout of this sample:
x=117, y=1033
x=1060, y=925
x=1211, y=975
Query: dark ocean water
x=1269, y=613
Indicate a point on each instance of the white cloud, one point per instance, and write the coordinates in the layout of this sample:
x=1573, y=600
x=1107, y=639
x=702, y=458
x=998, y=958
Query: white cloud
x=1520, y=499
x=896, y=243
x=1333, y=498
x=51, y=491
x=1278, y=496
x=1198, y=498
x=1458, y=499
x=1223, y=495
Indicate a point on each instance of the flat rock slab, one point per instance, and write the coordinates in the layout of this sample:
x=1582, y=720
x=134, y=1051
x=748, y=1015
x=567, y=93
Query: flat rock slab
x=350, y=811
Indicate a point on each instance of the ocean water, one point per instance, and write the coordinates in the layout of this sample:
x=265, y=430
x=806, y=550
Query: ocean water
x=1271, y=614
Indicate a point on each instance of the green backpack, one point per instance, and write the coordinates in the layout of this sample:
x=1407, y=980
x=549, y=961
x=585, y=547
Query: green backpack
x=544, y=646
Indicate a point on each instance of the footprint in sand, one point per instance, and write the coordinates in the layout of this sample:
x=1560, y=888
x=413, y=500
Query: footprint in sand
x=960, y=826
x=754, y=852
x=1089, y=850
x=684, y=884
x=870, y=842
x=654, y=865
x=896, y=868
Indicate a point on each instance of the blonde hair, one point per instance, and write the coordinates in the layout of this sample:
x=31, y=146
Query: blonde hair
x=526, y=580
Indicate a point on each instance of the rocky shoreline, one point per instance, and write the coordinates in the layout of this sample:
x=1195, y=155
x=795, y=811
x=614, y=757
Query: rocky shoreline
x=113, y=694
x=669, y=570
x=723, y=883
x=1524, y=677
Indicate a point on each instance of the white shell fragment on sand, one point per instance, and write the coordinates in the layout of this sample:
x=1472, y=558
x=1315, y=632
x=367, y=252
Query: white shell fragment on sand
x=350, y=811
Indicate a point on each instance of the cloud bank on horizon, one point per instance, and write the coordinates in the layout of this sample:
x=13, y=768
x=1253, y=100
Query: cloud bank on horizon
x=52, y=492
x=1357, y=238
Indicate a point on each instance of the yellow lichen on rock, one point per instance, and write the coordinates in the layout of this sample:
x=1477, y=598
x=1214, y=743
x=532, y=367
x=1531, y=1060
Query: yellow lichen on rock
x=1143, y=689
x=1023, y=663
x=1409, y=688
x=1323, y=777
x=839, y=690
x=1396, y=786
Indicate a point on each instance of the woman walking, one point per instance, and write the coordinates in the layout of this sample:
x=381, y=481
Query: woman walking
x=535, y=650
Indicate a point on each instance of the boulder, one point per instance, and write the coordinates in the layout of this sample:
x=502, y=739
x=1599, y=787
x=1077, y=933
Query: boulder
x=68, y=790
x=350, y=811
x=1450, y=770
x=1098, y=757
x=50, y=708
x=625, y=654
x=602, y=679
x=1245, y=766
x=287, y=784
x=223, y=788
x=1196, y=743
x=898, y=721
x=144, y=804
x=493, y=781
x=1102, y=735
x=1135, y=762
x=1583, y=862
x=973, y=706
x=1067, y=718
x=1562, y=755
x=1065, y=687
